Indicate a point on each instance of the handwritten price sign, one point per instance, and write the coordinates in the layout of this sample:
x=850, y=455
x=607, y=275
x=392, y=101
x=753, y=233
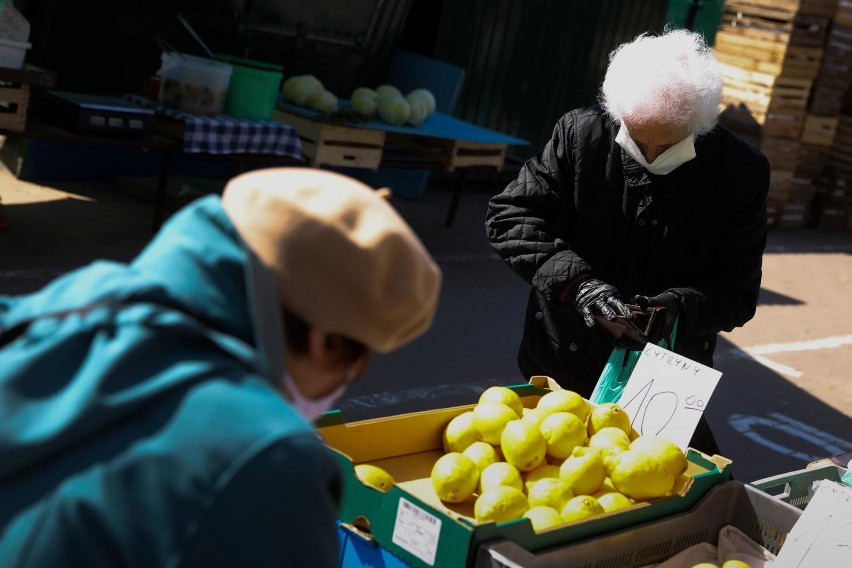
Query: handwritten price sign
x=667, y=394
x=823, y=534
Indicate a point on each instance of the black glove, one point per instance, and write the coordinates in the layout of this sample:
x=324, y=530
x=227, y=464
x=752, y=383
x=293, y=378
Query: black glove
x=668, y=300
x=595, y=297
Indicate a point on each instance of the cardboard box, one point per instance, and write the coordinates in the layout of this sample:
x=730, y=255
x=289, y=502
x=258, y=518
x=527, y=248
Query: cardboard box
x=413, y=524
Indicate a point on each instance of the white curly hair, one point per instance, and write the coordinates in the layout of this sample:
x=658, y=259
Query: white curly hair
x=671, y=79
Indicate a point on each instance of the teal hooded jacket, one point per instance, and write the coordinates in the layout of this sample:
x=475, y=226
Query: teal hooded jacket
x=141, y=422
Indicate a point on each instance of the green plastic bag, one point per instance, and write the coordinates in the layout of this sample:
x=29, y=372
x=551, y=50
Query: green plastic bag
x=618, y=369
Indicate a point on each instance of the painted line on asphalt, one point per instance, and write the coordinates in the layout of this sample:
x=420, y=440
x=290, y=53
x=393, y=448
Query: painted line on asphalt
x=775, y=366
x=758, y=352
x=825, y=343
x=791, y=428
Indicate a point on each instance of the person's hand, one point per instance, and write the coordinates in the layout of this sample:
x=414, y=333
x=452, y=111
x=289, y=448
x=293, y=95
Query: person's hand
x=668, y=300
x=595, y=297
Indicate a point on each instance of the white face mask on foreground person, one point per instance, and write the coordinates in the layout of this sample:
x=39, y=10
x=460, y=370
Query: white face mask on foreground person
x=666, y=162
x=311, y=408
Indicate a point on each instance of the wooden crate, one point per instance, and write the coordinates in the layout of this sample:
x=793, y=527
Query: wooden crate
x=794, y=215
x=843, y=13
x=761, y=92
x=803, y=30
x=784, y=123
x=766, y=56
x=802, y=62
x=14, y=100
x=841, y=149
x=780, y=184
x=783, y=9
x=781, y=152
x=823, y=8
x=831, y=217
x=825, y=100
x=773, y=9
x=336, y=145
x=15, y=90
x=452, y=154
x=811, y=161
x=819, y=130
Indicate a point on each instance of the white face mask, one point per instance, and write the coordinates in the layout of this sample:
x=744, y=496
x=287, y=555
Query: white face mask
x=311, y=408
x=666, y=162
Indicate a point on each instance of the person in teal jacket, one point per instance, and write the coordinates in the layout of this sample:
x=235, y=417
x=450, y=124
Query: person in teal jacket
x=159, y=413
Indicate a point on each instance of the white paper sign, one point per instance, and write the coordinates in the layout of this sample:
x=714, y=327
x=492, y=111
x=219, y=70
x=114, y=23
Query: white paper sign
x=667, y=393
x=823, y=534
x=417, y=531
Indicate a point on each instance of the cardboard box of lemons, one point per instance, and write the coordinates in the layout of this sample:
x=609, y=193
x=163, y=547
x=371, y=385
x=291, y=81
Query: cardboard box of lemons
x=374, y=476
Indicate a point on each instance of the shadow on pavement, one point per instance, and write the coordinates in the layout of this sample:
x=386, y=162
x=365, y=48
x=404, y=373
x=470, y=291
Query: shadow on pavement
x=770, y=298
x=768, y=425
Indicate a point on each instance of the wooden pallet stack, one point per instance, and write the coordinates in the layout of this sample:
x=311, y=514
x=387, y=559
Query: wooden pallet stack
x=833, y=205
x=771, y=52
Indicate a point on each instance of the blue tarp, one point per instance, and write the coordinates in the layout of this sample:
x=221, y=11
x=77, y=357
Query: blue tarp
x=438, y=125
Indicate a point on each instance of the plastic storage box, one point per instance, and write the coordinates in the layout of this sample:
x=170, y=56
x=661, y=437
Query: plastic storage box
x=766, y=520
x=794, y=487
x=13, y=53
x=195, y=85
x=254, y=87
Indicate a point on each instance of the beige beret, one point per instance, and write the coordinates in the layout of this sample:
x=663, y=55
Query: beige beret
x=343, y=258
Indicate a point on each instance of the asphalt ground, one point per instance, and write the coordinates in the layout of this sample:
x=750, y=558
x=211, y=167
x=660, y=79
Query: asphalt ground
x=785, y=397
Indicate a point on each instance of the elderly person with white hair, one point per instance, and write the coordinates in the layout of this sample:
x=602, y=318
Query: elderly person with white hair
x=641, y=199
x=160, y=413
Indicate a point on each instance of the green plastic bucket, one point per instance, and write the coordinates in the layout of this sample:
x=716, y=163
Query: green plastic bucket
x=254, y=88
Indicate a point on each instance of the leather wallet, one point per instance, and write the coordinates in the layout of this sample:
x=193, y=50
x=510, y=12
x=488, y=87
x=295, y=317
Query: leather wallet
x=649, y=323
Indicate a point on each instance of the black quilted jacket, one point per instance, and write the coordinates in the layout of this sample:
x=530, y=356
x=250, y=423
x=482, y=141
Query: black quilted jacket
x=702, y=236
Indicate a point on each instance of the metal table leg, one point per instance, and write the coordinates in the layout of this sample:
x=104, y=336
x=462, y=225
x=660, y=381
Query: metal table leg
x=162, y=188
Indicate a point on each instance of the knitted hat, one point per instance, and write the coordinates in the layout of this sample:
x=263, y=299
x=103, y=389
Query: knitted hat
x=343, y=258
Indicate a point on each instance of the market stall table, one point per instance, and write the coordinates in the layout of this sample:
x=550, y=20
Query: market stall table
x=442, y=143
x=215, y=137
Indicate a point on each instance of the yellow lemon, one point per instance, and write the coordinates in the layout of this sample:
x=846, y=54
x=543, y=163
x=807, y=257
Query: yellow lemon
x=609, y=415
x=609, y=441
x=534, y=415
x=523, y=445
x=505, y=396
x=500, y=473
x=543, y=471
x=550, y=492
x=613, y=501
x=563, y=431
x=374, y=476
x=664, y=450
x=489, y=419
x=607, y=485
x=565, y=401
x=543, y=518
x=454, y=477
x=483, y=454
x=460, y=433
x=500, y=504
x=583, y=472
x=580, y=507
x=736, y=564
x=640, y=476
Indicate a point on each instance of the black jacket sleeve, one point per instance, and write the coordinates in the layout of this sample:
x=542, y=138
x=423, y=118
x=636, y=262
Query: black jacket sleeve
x=727, y=298
x=528, y=223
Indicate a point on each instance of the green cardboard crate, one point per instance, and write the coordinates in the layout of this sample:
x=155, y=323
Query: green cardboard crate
x=412, y=523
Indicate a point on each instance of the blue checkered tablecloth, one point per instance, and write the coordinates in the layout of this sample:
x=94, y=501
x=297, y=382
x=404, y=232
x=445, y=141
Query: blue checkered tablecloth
x=225, y=134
